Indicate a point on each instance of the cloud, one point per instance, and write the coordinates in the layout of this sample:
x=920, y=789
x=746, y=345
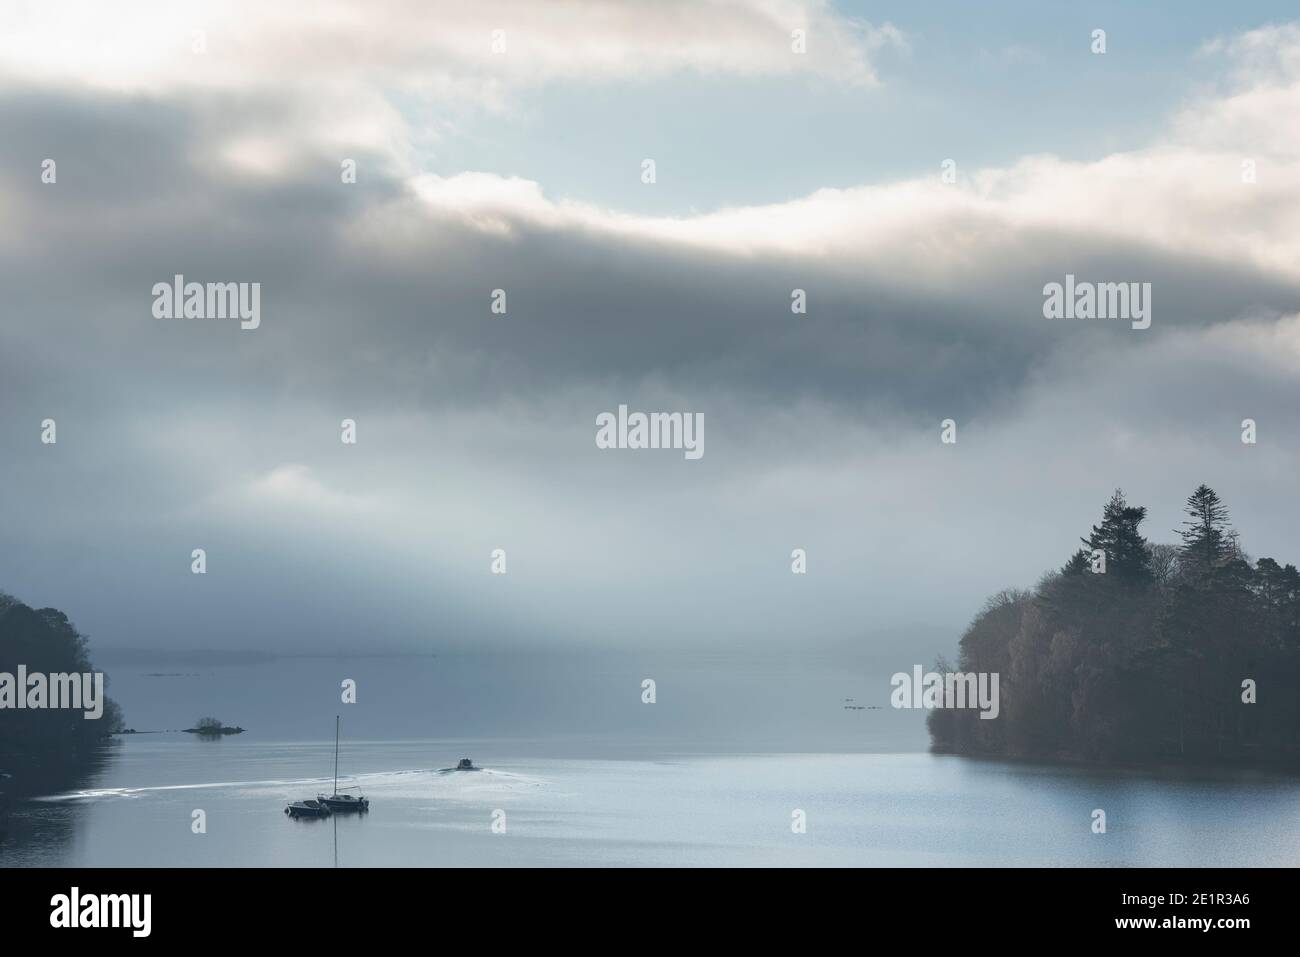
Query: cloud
x=296, y=485
x=348, y=74
x=476, y=431
x=436, y=48
x=1184, y=195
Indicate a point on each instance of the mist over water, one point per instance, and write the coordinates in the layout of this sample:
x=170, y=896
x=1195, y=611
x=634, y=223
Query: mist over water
x=571, y=705
x=585, y=773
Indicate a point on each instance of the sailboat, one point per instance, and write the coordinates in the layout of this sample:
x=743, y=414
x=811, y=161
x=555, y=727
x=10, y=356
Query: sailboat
x=337, y=801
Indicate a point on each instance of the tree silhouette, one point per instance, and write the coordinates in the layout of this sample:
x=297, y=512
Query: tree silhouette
x=1205, y=534
x=1153, y=661
x=46, y=748
x=1128, y=556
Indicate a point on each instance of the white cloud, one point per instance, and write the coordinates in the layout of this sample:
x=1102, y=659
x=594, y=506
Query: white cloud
x=297, y=485
x=1184, y=194
x=440, y=48
x=346, y=66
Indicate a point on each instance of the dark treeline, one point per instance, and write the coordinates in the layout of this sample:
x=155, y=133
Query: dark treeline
x=46, y=749
x=1146, y=662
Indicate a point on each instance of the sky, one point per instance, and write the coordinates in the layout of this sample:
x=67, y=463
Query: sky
x=209, y=140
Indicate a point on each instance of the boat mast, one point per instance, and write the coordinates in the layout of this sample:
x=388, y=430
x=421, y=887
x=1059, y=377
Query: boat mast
x=336, y=755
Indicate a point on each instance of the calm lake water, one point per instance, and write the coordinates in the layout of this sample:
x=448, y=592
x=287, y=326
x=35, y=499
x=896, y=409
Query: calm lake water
x=587, y=774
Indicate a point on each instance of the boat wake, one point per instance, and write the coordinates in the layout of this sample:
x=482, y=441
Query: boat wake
x=93, y=793
x=409, y=782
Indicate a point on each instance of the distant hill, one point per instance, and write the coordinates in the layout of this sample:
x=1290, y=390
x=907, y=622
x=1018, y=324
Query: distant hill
x=218, y=657
x=196, y=657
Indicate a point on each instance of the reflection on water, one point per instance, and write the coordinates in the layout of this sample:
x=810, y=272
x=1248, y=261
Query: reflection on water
x=582, y=772
x=22, y=825
x=892, y=809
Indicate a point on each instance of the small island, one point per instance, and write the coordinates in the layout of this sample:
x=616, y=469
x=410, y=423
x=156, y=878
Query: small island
x=1141, y=654
x=212, y=728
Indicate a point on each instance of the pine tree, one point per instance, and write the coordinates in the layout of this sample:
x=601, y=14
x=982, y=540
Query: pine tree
x=1077, y=564
x=1128, y=556
x=1207, y=540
